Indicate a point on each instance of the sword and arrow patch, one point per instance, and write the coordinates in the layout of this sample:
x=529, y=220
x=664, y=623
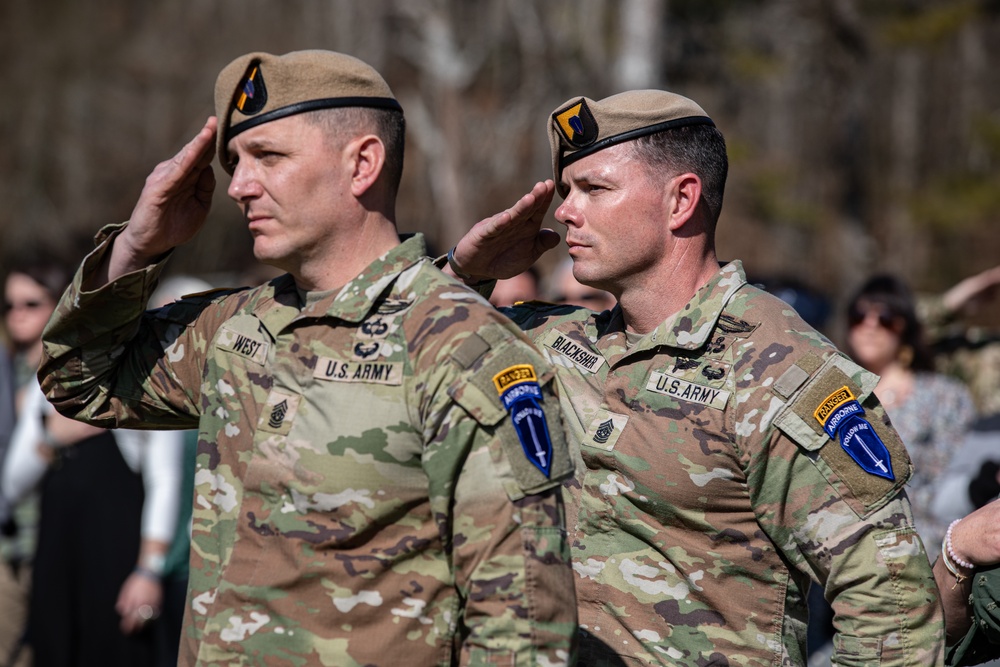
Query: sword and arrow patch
x=521, y=396
x=842, y=417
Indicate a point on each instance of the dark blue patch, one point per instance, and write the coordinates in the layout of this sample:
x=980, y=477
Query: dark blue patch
x=522, y=401
x=837, y=417
x=577, y=124
x=859, y=439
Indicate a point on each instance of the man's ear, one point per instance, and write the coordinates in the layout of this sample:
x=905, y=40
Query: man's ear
x=367, y=155
x=683, y=198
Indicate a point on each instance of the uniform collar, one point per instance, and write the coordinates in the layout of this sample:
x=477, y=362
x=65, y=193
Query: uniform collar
x=351, y=303
x=690, y=327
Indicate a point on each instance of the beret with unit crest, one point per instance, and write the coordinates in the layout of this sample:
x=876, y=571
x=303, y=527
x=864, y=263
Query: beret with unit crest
x=582, y=126
x=257, y=88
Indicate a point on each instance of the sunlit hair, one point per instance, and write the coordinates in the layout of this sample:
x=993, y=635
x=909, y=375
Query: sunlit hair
x=894, y=299
x=387, y=124
x=699, y=149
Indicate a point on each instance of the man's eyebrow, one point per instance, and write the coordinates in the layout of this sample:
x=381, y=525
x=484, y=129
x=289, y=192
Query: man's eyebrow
x=257, y=144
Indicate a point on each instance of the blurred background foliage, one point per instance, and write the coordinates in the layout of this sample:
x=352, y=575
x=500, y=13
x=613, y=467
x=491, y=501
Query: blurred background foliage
x=864, y=134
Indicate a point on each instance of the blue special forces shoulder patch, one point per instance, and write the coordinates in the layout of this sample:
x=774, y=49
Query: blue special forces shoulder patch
x=520, y=394
x=842, y=417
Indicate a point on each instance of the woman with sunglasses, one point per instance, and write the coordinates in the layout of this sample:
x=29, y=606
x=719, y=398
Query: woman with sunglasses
x=103, y=505
x=931, y=411
x=29, y=296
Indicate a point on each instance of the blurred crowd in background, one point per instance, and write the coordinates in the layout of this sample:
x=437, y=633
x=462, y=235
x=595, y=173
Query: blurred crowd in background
x=865, y=147
x=95, y=524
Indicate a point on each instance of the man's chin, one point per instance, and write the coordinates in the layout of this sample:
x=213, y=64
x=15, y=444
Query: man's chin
x=267, y=254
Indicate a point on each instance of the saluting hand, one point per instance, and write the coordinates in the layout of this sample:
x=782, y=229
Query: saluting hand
x=172, y=207
x=509, y=242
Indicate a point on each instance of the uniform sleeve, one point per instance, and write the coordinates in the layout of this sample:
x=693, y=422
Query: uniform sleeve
x=833, y=503
x=110, y=363
x=495, y=485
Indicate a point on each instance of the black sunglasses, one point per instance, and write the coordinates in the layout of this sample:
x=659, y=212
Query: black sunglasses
x=886, y=320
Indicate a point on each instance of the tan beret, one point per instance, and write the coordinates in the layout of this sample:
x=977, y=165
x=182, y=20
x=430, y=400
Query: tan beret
x=582, y=126
x=259, y=87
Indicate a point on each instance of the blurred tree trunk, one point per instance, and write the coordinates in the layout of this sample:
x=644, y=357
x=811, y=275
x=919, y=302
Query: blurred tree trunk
x=641, y=56
x=905, y=131
x=862, y=135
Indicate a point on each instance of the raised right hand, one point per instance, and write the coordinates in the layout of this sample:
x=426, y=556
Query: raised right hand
x=172, y=207
x=509, y=242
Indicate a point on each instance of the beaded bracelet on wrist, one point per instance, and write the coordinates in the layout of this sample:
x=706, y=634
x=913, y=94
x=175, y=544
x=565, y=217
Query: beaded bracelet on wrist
x=951, y=552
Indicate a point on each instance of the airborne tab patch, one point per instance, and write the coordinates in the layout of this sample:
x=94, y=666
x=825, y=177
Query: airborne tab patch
x=842, y=417
x=520, y=394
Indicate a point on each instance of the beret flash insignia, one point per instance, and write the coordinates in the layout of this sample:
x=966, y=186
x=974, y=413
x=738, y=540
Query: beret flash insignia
x=251, y=95
x=577, y=124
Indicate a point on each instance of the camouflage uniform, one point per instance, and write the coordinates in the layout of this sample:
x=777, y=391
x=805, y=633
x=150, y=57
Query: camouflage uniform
x=709, y=492
x=968, y=353
x=362, y=497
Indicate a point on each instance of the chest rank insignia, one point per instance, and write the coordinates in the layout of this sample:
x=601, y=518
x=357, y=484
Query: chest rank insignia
x=604, y=431
x=278, y=413
x=521, y=395
x=842, y=417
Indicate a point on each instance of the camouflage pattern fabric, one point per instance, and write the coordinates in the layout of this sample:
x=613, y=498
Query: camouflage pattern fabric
x=361, y=495
x=708, y=493
x=969, y=353
x=982, y=641
x=976, y=362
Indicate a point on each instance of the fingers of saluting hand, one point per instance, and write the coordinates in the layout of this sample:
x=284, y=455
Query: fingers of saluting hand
x=535, y=204
x=187, y=168
x=530, y=208
x=509, y=242
x=176, y=198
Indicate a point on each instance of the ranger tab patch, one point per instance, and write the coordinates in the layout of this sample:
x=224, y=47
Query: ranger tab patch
x=520, y=394
x=842, y=417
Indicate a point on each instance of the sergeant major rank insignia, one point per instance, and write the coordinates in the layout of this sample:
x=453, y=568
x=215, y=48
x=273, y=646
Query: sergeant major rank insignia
x=842, y=417
x=604, y=431
x=521, y=395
